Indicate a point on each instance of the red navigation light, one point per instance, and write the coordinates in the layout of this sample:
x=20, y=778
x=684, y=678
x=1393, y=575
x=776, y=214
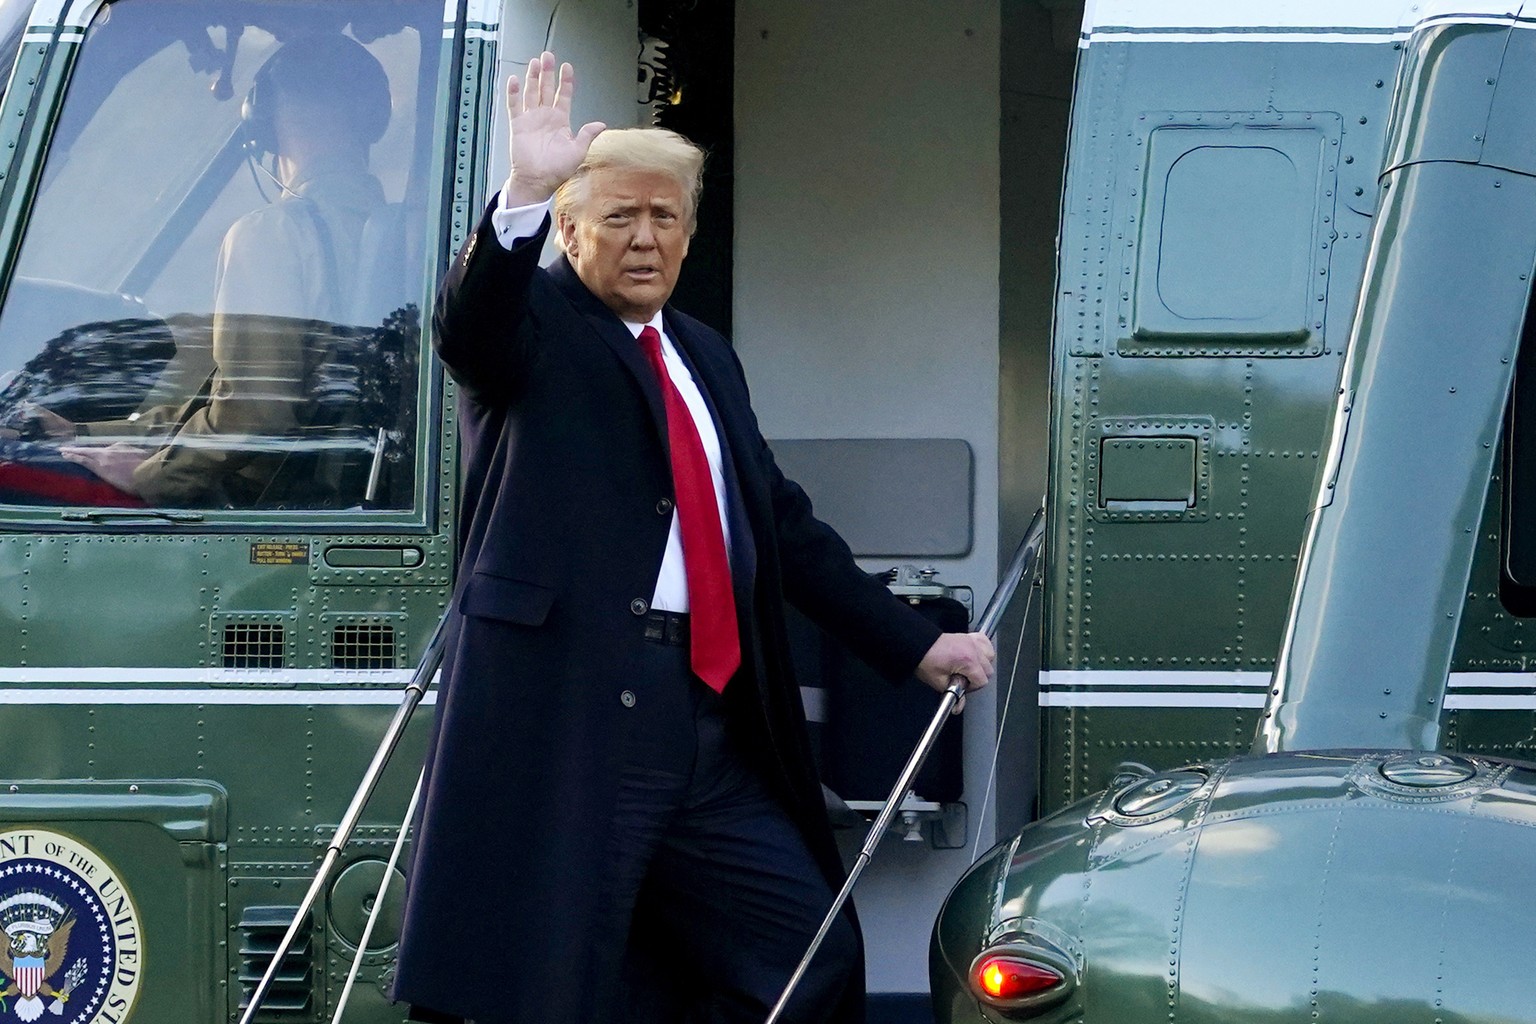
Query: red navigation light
x=1007, y=978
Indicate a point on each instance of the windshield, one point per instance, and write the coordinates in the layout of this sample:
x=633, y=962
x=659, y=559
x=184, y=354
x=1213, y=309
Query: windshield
x=216, y=302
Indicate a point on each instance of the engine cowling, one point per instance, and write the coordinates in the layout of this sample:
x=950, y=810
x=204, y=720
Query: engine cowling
x=1314, y=886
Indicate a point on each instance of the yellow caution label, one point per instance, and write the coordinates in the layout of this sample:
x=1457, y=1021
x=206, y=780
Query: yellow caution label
x=279, y=553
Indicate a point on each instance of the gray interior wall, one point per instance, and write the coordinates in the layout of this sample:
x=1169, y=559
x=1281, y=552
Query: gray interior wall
x=866, y=296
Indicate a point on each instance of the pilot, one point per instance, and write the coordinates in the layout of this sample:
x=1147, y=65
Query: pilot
x=316, y=106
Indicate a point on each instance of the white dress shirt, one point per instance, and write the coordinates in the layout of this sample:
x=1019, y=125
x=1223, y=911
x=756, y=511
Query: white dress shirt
x=515, y=223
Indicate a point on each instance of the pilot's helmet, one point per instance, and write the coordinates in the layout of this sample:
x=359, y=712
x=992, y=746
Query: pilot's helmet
x=328, y=71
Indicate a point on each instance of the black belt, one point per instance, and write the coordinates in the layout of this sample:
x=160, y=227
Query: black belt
x=667, y=628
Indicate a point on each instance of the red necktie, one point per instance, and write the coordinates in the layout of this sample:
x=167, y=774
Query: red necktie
x=715, y=650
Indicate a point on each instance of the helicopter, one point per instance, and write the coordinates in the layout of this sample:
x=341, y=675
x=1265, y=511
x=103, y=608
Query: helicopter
x=1293, y=343
x=195, y=667
x=190, y=688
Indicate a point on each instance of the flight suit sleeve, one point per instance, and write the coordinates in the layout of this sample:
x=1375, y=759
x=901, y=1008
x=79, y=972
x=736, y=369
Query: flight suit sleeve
x=152, y=421
x=257, y=391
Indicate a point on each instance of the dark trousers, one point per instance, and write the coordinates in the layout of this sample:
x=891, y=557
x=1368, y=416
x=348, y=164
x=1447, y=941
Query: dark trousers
x=726, y=896
x=711, y=893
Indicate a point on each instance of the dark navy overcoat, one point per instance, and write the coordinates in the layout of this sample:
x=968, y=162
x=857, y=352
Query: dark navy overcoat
x=566, y=492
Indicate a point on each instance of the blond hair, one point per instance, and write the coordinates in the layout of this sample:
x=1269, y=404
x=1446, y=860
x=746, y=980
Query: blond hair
x=659, y=150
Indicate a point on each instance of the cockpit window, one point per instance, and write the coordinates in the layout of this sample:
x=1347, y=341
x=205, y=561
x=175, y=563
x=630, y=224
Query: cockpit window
x=1517, y=568
x=217, y=300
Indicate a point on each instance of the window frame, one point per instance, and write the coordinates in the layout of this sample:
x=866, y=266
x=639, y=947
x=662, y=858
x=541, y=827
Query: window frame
x=47, y=62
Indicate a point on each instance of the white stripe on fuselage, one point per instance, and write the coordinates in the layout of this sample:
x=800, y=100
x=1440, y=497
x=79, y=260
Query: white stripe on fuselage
x=162, y=685
x=1151, y=688
x=1061, y=688
x=1255, y=36
x=152, y=675
x=1186, y=699
x=247, y=697
x=1171, y=688
x=1119, y=678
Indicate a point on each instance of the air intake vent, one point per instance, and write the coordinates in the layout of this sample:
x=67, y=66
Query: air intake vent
x=291, y=998
x=253, y=645
x=363, y=647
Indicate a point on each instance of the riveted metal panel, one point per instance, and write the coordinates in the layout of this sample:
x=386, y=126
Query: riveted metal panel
x=27, y=115
x=471, y=132
x=1491, y=638
x=1460, y=99
x=1216, y=600
x=1506, y=142
x=1091, y=746
x=1155, y=471
x=15, y=598
x=1231, y=253
x=1326, y=847
x=1089, y=245
x=153, y=852
x=1179, y=448
x=434, y=570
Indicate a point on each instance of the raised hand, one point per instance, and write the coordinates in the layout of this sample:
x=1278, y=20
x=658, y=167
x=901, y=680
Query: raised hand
x=544, y=151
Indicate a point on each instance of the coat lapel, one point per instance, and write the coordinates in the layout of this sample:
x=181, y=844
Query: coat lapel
x=611, y=329
x=727, y=419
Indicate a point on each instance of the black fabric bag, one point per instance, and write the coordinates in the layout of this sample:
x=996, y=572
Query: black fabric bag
x=870, y=727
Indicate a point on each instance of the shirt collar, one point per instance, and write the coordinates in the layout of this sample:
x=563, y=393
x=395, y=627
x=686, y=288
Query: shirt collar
x=656, y=322
x=339, y=186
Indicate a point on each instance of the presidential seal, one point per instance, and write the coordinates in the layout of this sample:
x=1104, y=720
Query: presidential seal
x=71, y=950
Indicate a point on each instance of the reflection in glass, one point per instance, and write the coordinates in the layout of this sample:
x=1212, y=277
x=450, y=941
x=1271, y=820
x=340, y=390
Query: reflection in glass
x=13, y=22
x=217, y=299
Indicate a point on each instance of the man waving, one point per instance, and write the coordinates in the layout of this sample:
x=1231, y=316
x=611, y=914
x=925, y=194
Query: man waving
x=621, y=801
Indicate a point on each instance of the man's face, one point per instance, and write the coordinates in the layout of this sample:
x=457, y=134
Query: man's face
x=627, y=239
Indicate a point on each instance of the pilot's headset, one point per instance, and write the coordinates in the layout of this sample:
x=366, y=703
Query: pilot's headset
x=329, y=67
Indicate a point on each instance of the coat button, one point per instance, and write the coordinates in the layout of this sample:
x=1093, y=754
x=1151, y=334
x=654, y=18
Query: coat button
x=664, y=506
x=627, y=698
x=639, y=606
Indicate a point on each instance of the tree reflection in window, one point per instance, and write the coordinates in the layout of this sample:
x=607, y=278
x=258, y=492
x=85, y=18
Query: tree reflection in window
x=225, y=313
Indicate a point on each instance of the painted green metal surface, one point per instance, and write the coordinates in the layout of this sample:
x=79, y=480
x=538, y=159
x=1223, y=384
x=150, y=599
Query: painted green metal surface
x=1344, y=870
x=1421, y=409
x=1258, y=893
x=211, y=789
x=156, y=855
x=1237, y=374
x=1200, y=593
x=27, y=114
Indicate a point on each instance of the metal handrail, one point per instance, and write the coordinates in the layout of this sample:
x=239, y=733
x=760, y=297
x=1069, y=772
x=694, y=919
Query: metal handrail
x=1025, y=558
x=421, y=681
